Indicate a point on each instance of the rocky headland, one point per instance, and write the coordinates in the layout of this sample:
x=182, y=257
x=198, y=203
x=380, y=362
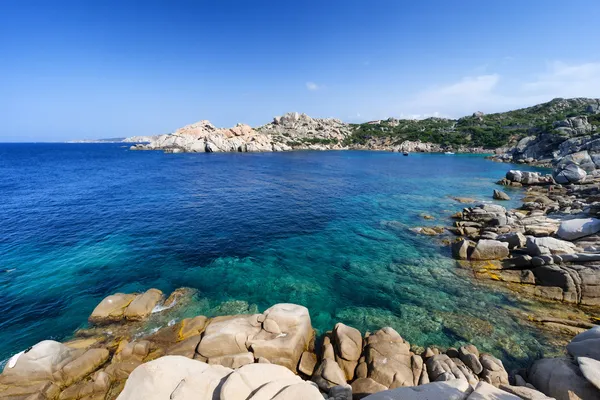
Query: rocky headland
x=274, y=355
x=526, y=135
x=292, y=131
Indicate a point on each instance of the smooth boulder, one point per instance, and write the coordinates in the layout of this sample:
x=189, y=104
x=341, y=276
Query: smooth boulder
x=570, y=173
x=111, y=308
x=485, y=391
x=578, y=228
x=141, y=307
x=38, y=363
x=388, y=358
x=590, y=369
x=561, y=378
x=490, y=250
x=348, y=348
x=500, y=195
x=456, y=389
x=545, y=246
x=174, y=377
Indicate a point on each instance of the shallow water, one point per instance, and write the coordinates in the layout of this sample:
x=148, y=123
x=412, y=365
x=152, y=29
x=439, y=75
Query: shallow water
x=329, y=230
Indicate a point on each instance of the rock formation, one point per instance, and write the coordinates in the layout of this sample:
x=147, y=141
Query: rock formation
x=263, y=356
x=291, y=131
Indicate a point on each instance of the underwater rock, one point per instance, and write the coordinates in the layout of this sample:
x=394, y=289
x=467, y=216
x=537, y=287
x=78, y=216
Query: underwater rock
x=500, y=195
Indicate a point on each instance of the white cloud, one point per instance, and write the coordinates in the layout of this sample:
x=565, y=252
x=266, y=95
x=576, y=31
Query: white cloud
x=312, y=86
x=567, y=80
x=495, y=93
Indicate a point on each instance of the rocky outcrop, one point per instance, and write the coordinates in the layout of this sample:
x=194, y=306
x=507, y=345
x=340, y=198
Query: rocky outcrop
x=203, y=137
x=564, y=137
x=251, y=356
x=126, y=306
x=290, y=131
x=299, y=131
x=550, y=247
x=280, y=335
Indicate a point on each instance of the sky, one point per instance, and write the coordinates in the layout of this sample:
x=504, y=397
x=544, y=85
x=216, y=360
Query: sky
x=102, y=69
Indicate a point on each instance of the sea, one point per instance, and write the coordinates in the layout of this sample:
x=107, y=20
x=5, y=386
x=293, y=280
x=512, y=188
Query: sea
x=331, y=230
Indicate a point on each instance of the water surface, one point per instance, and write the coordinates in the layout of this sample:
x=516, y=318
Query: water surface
x=328, y=230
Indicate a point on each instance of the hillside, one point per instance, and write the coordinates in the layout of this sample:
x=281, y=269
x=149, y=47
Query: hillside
x=478, y=130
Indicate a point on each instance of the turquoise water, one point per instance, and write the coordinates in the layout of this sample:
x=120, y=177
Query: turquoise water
x=329, y=230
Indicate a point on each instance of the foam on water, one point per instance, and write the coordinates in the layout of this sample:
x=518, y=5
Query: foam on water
x=328, y=230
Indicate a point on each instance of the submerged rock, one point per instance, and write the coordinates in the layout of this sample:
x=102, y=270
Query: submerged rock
x=500, y=195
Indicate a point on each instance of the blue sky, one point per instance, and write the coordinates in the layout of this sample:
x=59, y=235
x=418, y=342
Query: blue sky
x=94, y=69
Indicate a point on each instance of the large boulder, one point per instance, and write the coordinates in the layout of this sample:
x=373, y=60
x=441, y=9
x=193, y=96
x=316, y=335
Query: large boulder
x=578, y=228
x=82, y=366
x=490, y=250
x=500, y=195
x=469, y=355
x=174, y=377
x=348, y=348
x=589, y=348
x=228, y=335
x=561, y=378
x=141, y=307
x=280, y=335
x=286, y=333
x=457, y=389
x=286, y=390
x=38, y=363
x=493, y=370
x=328, y=375
x=514, y=175
x=363, y=387
x=388, y=358
x=590, y=369
x=570, y=173
x=525, y=392
x=543, y=246
x=111, y=308
x=593, y=333
x=580, y=158
x=244, y=381
x=515, y=240
x=485, y=391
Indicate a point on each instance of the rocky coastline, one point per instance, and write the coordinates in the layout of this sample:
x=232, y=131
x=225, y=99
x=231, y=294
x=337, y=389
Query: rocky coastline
x=274, y=355
x=292, y=131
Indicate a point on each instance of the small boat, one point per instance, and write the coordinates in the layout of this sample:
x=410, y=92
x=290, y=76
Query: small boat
x=448, y=152
x=405, y=153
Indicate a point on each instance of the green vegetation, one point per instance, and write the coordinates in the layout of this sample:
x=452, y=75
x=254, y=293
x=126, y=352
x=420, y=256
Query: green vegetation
x=309, y=141
x=594, y=119
x=485, y=130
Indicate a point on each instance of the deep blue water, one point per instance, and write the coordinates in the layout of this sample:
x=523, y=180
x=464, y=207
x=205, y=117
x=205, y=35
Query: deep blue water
x=329, y=230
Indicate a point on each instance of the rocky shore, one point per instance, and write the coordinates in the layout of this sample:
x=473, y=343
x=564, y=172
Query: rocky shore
x=274, y=355
x=292, y=131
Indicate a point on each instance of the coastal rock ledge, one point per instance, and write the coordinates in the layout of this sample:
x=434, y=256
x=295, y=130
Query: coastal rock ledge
x=272, y=355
